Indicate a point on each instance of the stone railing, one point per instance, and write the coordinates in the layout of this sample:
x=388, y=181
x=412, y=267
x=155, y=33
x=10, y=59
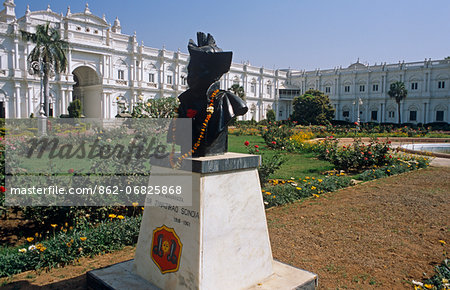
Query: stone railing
x=121, y=82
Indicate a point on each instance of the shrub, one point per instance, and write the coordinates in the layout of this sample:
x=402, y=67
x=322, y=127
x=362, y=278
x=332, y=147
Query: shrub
x=269, y=165
x=278, y=137
x=75, y=109
x=281, y=192
x=156, y=108
x=356, y=156
x=66, y=247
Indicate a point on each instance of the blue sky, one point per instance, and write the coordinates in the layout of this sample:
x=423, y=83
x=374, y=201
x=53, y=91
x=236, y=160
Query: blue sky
x=302, y=34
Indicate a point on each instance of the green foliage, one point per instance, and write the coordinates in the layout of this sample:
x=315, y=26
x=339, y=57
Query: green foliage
x=398, y=91
x=156, y=108
x=355, y=157
x=282, y=192
x=48, y=55
x=75, y=109
x=313, y=107
x=278, y=136
x=270, y=116
x=238, y=91
x=269, y=164
x=442, y=276
x=65, y=247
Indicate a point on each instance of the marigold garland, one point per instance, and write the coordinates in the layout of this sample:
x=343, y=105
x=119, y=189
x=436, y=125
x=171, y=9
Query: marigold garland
x=209, y=112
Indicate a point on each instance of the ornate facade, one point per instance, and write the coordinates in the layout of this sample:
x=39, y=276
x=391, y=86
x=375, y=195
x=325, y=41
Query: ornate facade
x=107, y=67
x=365, y=87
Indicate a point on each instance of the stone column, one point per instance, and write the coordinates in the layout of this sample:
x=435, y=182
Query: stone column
x=17, y=113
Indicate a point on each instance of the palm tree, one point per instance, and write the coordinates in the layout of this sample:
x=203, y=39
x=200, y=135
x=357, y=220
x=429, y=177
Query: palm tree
x=238, y=91
x=398, y=91
x=47, y=57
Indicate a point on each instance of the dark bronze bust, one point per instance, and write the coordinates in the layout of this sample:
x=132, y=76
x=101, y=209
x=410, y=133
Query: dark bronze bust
x=209, y=108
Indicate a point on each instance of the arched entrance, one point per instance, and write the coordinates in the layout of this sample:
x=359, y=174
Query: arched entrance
x=88, y=90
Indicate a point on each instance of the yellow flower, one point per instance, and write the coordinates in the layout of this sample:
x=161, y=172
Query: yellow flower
x=54, y=225
x=262, y=190
x=307, y=177
x=444, y=280
x=69, y=245
x=342, y=173
x=39, y=246
x=66, y=225
x=298, y=188
x=388, y=170
x=23, y=250
x=142, y=208
x=442, y=242
x=428, y=286
x=36, y=235
x=120, y=217
x=313, y=178
x=83, y=239
x=112, y=216
x=135, y=204
x=268, y=193
x=273, y=196
x=315, y=195
x=313, y=187
x=42, y=248
x=30, y=239
x=320, y=180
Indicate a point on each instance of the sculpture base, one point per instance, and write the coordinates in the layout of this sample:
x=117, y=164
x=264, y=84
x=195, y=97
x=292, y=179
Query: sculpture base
x=121, y=276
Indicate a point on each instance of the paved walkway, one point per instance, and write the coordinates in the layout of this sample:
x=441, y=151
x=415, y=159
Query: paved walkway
x=440, y=162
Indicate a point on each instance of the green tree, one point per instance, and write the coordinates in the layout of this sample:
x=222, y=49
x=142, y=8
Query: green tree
x=75, y=109
x=47, y=57
x=238, y=91
x=270, y=115
x=313, y=107
x=398, y=91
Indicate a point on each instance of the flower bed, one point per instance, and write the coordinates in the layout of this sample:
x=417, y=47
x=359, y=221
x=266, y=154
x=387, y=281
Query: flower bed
x=67, y=246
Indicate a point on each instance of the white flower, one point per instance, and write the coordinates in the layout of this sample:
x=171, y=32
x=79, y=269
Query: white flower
x=32, y=248
x=23, y=250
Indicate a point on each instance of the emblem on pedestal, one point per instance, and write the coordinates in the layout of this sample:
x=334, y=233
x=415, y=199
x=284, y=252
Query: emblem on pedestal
x=166, y=249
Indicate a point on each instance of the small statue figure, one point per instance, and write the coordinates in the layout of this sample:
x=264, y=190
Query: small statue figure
x=209, y=108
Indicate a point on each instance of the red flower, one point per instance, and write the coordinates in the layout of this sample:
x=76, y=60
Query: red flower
x=274, y=143
x=389, y=142
x=246, y=143
x=191, y=113
x=257, y=150
x=390, y=156
x=256, y=146
x=356, y=123
x=370, y=153
x=70, y=170
x=365, y=158
x=2, y=188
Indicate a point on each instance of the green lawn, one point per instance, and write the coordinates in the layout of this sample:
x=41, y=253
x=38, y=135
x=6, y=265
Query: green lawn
x=296, y=165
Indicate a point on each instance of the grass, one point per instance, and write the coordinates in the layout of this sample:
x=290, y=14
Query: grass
x=297, y=165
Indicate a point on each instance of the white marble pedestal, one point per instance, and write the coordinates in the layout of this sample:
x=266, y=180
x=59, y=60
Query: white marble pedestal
x=221, y=240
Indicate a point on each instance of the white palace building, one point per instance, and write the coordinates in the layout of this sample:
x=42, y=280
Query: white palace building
x=106, y=67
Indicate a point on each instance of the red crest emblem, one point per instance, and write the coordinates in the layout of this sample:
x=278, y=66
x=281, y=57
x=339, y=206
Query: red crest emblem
x=166, y=249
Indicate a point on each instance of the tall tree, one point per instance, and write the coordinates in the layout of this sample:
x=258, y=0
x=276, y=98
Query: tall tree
x=47, y=57
x=238, y=91
x=313, y=107
x=398, y=91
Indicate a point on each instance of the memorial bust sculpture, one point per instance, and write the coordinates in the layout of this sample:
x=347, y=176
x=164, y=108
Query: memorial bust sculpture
x=209, y=108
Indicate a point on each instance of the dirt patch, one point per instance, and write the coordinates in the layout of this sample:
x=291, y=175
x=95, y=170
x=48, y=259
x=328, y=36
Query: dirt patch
x=381, y=234
x=71, y=277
